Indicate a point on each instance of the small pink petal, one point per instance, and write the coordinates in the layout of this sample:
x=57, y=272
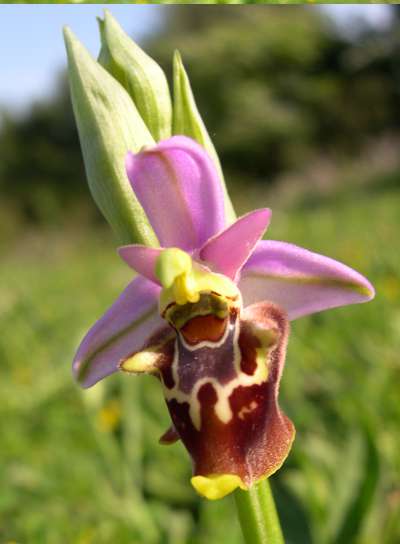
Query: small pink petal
x=300, y=281
x=180, y=191
x=142, y=259
x=123, y=330
x=230, y=249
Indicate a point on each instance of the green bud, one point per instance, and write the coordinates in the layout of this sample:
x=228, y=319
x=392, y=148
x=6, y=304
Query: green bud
x=109, y=126
x=141, y=76
x=187, y=121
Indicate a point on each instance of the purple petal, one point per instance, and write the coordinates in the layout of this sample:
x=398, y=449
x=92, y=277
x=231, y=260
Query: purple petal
x=300, y=281
x=123, y=330
x=230, y=249
x=180, y=191
x=142, y=259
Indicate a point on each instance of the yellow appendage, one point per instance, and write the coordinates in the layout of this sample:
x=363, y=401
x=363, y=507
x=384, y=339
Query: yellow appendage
x=142, y=362
x=216, y=486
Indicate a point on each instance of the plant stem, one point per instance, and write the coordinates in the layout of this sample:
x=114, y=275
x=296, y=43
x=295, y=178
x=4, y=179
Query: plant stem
x=258, y=516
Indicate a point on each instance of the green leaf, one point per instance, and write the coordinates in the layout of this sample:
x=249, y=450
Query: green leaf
x=294, y=520
x=139, y=74
x=187, y=121
x=109, y=126
x=363, y=492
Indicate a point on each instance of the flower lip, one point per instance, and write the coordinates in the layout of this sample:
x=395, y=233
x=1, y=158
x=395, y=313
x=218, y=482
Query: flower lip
x=223, y=401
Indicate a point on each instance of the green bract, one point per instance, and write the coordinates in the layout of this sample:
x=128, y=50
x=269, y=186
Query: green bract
x=109, y=126
x=141, y=76
x=187, y=121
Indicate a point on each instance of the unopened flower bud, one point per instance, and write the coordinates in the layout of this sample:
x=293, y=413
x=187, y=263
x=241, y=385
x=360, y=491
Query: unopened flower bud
x=109, y=125
x=141, y=76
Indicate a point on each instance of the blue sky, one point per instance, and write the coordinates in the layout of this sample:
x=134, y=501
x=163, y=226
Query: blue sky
x=32, y=49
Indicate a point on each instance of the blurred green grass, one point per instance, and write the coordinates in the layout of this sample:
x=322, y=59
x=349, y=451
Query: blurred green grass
x=85, y=467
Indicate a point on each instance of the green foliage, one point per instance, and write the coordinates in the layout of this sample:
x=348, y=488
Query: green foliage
x=41, y=167
x=92, y=456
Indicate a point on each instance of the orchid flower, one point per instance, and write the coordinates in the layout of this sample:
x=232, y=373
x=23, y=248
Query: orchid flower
x=208, y=314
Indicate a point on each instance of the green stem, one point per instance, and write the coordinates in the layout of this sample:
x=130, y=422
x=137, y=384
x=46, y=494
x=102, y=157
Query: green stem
x=258, y=516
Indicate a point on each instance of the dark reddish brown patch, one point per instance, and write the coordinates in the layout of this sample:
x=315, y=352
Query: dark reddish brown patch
x=165, y=355
x=207, y=397
x=248, y=343
x=169, y=437
x=167, y=377
x=204, y=328
x=263, y=430
x=162, y=336
x=166, y=370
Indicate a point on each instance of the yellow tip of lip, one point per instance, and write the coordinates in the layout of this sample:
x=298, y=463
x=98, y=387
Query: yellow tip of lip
x=216, y=486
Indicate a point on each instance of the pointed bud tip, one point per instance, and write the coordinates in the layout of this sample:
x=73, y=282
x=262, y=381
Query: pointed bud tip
x=66, y=30
x=177, y=56
x=100, y=22
x=73, y=45
x=68, y=34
